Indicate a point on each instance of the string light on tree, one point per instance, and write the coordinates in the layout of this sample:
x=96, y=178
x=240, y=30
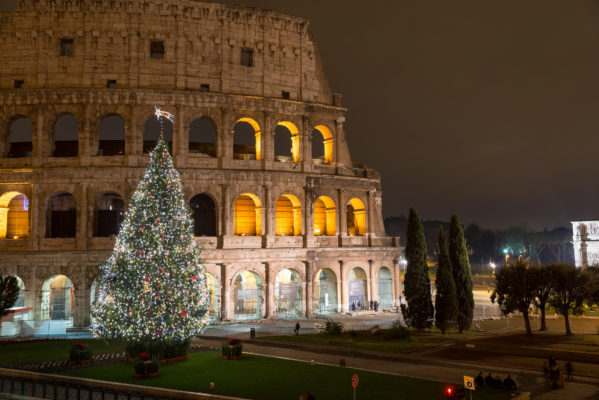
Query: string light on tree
x=154, y=286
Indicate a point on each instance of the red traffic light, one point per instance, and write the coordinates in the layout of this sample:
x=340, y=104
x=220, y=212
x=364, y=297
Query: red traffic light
x=449, y=390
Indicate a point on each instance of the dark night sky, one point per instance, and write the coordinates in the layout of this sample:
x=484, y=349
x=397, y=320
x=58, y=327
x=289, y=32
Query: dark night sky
x=487, y=109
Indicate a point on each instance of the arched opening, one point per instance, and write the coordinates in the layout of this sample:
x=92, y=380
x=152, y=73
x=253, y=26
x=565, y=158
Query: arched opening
x=214, y=297
x=288, y=216
x=62, y=216
x=21, y=298
x=287, y=143
x=108, y=214
x=20, y=138
x=94, y=292
x=358, y=299
x=14, y=215
x=322, y=145
x=248, y=296
x=356, y=218
x=247, y=215
x=288, y=294
x=246, y=140
x=111, y=136
x=385, y=287
x=66, y=136
x=204, y=215
x=325, y=217
x=325, y=291
x=152, y=130
x=58, y=294
x=202, y=137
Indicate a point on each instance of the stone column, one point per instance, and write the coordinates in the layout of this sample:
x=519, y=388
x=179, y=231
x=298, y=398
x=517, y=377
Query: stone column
x=306, y=143
x=179, y=137
x=396, y=282
x=342, y=214
x=227, y=220
x=225, y=311
x=39, y=152
x=309, y=292
x=341, y=287
x=270, y=290
x=309, y=215
x=227, y=138
x=269, y=215
x=84, y=137
x=81, y=301
x=82, y=220
x=372, y=295
x=267, y=135
x=370, y=213
x=35, y=218
x=132, y=138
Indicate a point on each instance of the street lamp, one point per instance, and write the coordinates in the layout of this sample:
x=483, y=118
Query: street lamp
x=507, y=255
x=492, y=265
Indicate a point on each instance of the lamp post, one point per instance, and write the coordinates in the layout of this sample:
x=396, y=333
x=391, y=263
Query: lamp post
x=492, y=265
x=507, y=255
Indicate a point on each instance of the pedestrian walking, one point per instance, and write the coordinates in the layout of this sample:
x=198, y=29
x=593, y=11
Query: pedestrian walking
x=479, y=381
x=371, y=305
x=509, y=383
x=297, y=328
x=569, y=370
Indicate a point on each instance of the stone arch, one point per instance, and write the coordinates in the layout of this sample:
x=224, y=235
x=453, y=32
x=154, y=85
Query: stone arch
x=287, y=143
x=288, y=293
x=213, y=289
x=153, y=128
x=19, y=136
x=61, y=217
x=21, y=298
x=66, y=136
x=202, y=137
x=325, y=217
x=247, y=293
x=247, y=215
x=247, y=138
x=322, y=145
x=14, y=215
x=203, y=208
x=385, y=287
x=111, y=135
x=356, y=217
x=57, y=301
x=288, y=216
x=357, y=280
x=109, y=209
x=325, y=291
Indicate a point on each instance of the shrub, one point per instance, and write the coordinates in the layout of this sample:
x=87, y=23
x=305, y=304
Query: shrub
x=142, y=366
x=80, y=352
x=353, y=333
x=397, y=331
x=233, y=348
x=161, y=349
x=330, y=327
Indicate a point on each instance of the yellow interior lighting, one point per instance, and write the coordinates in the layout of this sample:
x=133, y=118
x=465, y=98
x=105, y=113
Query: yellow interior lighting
x=356, y=218
x=327, y=140
x=14, y=215
x=257, y=132
x=288, y=216
x=295, y=142
x=248, y=215
x=325, y=217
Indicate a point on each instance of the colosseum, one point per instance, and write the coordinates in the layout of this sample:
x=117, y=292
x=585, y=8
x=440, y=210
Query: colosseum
x=289, y=224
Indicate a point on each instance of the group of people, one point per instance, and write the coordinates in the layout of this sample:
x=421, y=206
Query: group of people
x=359, y=305
x=494, y=382
x=553, y=373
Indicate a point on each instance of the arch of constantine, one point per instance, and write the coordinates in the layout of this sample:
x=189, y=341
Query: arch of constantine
x=289, y=224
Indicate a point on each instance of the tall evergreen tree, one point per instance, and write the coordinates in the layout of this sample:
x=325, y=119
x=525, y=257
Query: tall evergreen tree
x=417, y=286
x=446, y=307
x=154, y=286
x=462, y=274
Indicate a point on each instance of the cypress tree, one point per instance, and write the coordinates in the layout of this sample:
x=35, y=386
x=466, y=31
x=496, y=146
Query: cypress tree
x=417, y=286
x=446, y=307
x=462, y=275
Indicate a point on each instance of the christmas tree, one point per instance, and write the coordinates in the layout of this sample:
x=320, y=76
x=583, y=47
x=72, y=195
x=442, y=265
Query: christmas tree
x=154, y=286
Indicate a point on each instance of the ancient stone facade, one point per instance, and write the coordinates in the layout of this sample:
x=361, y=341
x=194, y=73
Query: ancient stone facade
x=585, y=239
x=284, y=232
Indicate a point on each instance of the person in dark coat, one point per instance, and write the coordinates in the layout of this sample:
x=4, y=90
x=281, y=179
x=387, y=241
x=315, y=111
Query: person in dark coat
x=297, y=328
x=479, y=381
x=569, y=370
x=489, y=381
x=509, y=383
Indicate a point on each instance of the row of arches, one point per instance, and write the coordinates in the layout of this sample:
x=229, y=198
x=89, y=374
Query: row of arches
x=109, y=208
x=202, y=138
x=56, y=300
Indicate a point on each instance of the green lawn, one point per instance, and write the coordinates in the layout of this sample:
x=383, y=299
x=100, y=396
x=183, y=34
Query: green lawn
x=258, y=378
x=31, y=352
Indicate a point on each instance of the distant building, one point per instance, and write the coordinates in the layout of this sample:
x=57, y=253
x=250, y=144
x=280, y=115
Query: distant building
x=585, y=239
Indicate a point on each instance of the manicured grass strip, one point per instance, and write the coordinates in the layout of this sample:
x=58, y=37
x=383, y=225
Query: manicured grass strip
x=31, y=352
x=360, y=341
x=265, y=378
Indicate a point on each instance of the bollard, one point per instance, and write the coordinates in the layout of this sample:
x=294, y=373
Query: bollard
x=253, y=333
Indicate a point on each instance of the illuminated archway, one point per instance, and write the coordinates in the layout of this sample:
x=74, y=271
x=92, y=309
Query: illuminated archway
x=204, y=215
x=248, y=296
x=325, y=217
x=287, y=143
x=14, y=215
x=385, y=287
x=66, y=136
x=202, y=137
x=20, y=137
x=325, y=291
x=288, y=216
x=247, y=215
x=58, y=295
x=108, y=214
x=288, y=294
x=152, y=131
x=214, y=296
x=322, y=144
x=356, y=218
x=61, y=217
x=246, y=147
x=111, y=135
x=358, y=281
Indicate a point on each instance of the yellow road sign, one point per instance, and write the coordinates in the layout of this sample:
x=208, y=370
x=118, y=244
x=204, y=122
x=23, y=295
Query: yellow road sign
x=468, y=382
